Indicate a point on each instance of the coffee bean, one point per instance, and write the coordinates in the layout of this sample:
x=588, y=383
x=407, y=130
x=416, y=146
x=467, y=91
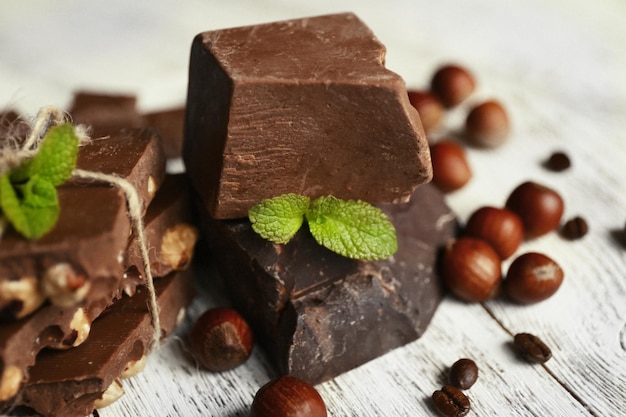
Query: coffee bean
x=463, y=373
x=558, y=161
x=532, y=348
x=451, y=402
x=574, y=228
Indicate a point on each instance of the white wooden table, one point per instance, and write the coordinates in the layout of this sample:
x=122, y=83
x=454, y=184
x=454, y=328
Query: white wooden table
x=560, y=68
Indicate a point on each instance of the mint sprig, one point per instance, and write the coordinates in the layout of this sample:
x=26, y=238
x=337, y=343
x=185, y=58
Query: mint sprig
x=28, y=196
x=351, y=228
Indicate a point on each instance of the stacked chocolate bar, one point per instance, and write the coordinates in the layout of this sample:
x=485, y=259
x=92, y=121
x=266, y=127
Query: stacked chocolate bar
x=306, y=106
x=73, y=303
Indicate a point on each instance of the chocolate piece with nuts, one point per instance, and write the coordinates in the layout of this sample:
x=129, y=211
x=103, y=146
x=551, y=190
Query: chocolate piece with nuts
x=119, y=340
x=169, y=228
x=65, y=321
x=319, y=314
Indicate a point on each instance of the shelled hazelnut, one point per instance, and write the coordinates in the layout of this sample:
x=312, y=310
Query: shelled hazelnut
x=451, y=171
x=539, y=207
x=221, y=339
x=471, y=269
x=288, y=396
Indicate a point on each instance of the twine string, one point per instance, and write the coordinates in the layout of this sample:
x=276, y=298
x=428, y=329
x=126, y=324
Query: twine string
x=134, y=213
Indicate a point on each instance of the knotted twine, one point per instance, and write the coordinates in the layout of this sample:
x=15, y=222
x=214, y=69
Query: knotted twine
x=12, y=155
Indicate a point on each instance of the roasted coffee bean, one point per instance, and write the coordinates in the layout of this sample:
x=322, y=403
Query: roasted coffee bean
x=558, y=161
x=532, y=348
x=575, y=228
x=449, y=401
x=463, y=373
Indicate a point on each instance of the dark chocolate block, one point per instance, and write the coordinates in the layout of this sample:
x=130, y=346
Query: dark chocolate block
x=302, y=106
x=69, y=383
x=319, y=314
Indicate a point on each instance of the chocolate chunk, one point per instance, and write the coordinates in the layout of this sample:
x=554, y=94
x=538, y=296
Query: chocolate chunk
x=105, y=113
x=319, y=314
x=68, y=383
x=54, y=287
x=92, y=231
x=169, y=123
x=133, y=154
x=169, y=230
x=302, y=106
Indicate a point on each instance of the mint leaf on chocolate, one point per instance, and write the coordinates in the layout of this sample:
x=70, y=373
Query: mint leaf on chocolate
x=55, y=159
x=28, y=196
x=353, y=228
x=279, y=218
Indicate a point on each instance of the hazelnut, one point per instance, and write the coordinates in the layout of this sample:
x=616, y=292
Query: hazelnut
x=177, y=245
x=19, y=298
x=463, y=373
x=64, y=286
x=152, y=186
x=80, y=328
x=451, y=170
x=113, y=393
x=452, y=84
x=288, y=396
x=532, y=277
x=10, y=382
x=221, y=339
x=539, y=207
x=501, y=228
x=487, y=125
x=428, y=107
x=471, y=269
x=133, y=368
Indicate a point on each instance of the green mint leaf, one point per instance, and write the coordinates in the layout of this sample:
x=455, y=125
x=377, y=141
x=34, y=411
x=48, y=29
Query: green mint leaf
x=353, y=228
x=32, y=208
x=55, y=159
x=279, y=218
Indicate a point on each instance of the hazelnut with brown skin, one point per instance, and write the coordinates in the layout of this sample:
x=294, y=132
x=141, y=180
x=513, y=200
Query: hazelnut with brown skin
x=471, y=269
x=452, y=84
x=487, y=125
x=540, y=208
x=288, y=396
x=501, y=228
x=532, y=277
x=428, y=107
x=221, y=339
x=451, y=171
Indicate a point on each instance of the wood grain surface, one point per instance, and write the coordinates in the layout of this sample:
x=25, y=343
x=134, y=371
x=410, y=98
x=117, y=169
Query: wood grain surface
x=559, y=67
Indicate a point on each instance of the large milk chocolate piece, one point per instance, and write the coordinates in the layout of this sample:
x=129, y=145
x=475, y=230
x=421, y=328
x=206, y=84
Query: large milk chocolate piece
x=68, y=383
x=319, y=314
x=302, y=106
